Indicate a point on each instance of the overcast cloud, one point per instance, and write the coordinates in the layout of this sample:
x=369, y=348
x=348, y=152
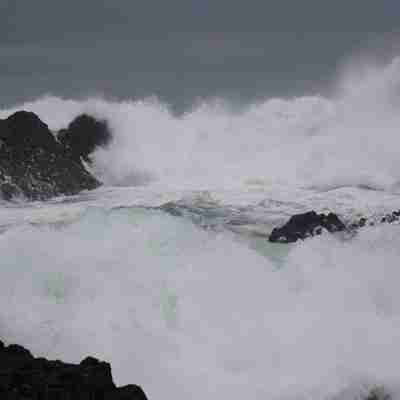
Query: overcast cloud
x=181, y=50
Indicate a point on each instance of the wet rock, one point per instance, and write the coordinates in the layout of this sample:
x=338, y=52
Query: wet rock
x=129, y=392
x=83, y=135
x=309, y=224
x=301, y=226
x=390, y=218
x=8, y=191
x=362, y=222
x=24, y=377
x=24, y=130
x=378, y=393
x=34, y=164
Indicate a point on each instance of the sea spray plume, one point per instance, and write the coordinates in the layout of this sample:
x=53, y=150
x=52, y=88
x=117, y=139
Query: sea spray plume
x=347, y=139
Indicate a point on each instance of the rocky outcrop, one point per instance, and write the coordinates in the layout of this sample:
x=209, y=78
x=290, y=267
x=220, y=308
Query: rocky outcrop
x=83, y=135
x=302, y=226
x=37, y=166
x=24, y=377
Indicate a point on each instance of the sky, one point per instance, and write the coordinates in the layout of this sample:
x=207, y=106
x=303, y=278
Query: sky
x=185, y=50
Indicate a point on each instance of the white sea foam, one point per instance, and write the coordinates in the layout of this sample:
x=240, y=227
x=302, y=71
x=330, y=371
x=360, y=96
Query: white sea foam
x=197, y=314
x=349, y=139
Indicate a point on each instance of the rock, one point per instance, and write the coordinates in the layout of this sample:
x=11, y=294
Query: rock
x=8, y=191
x=34, y=164
x=362, y=222
x=301, y=226
x=128, y=392
x=24, y=130
x=378, y=393
x=309, y=224
x=24, y=377
x=83, y=135
x=390, y=218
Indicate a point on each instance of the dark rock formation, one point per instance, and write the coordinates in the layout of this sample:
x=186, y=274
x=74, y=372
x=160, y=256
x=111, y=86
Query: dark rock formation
x=309, y=224
x=24, y=377
x=83, y=135
x=378, y=393
x=34, y=164
x=8, y=191
x=301, y=226
x=390, y=218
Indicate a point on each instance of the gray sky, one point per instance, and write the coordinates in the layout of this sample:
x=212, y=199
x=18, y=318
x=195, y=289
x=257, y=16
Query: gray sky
x=181, y=50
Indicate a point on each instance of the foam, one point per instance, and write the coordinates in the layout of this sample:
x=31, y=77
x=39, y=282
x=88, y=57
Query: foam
x=198, y=314
x=348, y=139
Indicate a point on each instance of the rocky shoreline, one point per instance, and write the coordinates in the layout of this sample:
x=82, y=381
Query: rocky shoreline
x=23, y=376
x=36, y=164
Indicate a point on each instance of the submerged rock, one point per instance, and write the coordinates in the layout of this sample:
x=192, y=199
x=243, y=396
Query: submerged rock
x=34, y=164
x=24, y=377
x=83, y=135
x=301, y=226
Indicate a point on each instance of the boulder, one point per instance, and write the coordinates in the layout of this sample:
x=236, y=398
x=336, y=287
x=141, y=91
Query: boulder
x=301, y=226
x=83, y=135
x=34, y=164
x=24, y=377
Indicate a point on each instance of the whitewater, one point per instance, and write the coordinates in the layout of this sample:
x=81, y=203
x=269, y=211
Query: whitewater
x=201, y=306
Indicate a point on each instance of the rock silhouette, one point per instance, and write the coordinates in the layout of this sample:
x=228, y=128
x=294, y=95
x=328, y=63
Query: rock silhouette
x=33, y=164
x=24, y=377
x=301, y=226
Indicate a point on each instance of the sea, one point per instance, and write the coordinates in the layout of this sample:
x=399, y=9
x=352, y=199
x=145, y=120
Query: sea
x=166, y=270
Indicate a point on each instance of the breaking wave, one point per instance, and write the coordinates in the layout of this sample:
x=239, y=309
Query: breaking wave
x=349, y=139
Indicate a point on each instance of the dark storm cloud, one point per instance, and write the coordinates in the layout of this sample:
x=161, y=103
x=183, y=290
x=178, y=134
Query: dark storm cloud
x=181, y=49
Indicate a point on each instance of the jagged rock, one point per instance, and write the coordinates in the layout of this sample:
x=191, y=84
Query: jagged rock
x=24, y=130
x=24, y=377
x=301, y=226
x=34, y=164
x=83, y=135
x=309, y=224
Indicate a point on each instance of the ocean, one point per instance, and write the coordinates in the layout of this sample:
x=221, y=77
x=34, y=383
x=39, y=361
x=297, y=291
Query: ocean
x=201, y=305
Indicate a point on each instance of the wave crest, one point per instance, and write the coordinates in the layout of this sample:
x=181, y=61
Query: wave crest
x=350, y=139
